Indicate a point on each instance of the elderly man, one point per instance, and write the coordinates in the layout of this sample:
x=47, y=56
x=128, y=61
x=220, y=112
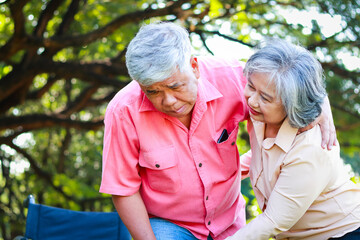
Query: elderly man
x=170, y=149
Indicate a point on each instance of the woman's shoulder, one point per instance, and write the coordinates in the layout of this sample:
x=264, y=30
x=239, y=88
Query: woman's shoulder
x=307, y=147
x=310, y=138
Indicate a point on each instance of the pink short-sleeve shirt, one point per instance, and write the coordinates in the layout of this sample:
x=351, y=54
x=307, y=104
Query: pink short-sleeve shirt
x=183, y=175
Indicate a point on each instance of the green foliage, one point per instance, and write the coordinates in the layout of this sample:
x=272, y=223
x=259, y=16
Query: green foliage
x=6, y=26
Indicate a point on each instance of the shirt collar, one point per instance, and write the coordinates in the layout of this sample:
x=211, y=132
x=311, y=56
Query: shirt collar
x=146, y=105
x=284, y=138
x=206, y=93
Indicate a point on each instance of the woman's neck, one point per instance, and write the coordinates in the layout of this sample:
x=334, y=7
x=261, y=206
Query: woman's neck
x=271, y=130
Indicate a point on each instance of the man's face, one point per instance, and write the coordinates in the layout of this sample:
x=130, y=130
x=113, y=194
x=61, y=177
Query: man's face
x=176, y=95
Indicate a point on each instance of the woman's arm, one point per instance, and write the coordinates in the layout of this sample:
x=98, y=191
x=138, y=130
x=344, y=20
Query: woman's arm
x=132, y=212
x=245, y=161
x=301, y=181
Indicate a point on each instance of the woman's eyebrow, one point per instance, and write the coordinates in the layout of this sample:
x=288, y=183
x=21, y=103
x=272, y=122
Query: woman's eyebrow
x=267, y=95
x=262, y=92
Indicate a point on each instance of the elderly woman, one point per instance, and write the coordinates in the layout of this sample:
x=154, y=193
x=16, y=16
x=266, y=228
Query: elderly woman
x=303, y=190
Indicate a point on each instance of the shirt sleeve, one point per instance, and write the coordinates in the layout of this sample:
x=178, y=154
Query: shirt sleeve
x=303, y=177
x=120, y=169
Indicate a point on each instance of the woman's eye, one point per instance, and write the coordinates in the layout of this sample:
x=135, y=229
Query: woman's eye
x=264, y=98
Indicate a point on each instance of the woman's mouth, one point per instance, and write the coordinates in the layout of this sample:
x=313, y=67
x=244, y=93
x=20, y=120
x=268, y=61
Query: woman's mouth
x=253, y=112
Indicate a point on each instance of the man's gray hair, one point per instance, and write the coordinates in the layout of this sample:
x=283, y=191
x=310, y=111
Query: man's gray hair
x=298, y=79
x=157, y=52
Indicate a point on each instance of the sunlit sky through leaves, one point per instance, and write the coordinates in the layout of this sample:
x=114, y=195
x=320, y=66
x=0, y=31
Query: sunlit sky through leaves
x=329, y=25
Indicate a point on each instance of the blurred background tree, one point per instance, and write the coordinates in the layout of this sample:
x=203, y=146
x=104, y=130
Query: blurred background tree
x=61, y=61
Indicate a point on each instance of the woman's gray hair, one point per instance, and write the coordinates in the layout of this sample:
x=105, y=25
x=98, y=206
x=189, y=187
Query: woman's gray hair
x=298, y=79
x=157, y=52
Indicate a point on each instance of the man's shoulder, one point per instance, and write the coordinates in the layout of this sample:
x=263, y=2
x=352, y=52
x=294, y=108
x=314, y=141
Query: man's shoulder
x=215, y=62
x=224, y=73
x=128, y=97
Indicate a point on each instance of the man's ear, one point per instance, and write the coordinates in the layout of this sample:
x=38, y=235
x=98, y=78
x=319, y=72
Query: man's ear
x=195, y=66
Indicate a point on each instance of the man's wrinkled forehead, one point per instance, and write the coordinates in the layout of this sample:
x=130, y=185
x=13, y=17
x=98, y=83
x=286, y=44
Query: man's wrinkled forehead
x=167, y=83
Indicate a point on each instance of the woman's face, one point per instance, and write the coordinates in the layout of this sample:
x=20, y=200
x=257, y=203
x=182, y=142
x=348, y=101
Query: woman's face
x=265, y=106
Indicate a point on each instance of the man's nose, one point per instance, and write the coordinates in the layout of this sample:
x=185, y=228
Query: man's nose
x=169, y=99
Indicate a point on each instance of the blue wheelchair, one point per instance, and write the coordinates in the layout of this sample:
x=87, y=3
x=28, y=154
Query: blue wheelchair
x=52, y=223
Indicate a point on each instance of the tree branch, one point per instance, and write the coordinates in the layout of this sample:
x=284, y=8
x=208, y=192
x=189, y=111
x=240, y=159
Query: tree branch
x=16, y=10
x=341, y=71
x=38, y=121
x=18, y=40
x=9, y=84
x=38, y=170
x=5, y=2
x=341, y=108
x=88, y=72
x=62, y=153
x=10, y=137
x=68, y=17
x=97, y=102
x=226, y=37
x=64, y=26
x=45, y=16
x=65, y=41
x=37, y=94
x=203, y=39
x=81, y=101
x=95, y=73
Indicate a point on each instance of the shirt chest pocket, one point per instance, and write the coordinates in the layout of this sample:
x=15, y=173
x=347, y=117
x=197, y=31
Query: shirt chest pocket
x=160, y=169
x=228, y=150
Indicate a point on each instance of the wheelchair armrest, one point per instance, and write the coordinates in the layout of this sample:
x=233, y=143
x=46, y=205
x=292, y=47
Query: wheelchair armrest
x=20, y=238
x=28, y=200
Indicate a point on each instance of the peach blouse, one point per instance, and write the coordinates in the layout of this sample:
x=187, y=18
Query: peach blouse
x=303, y=190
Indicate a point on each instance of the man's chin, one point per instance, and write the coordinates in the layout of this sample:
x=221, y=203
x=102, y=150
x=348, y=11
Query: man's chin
x=176, y=115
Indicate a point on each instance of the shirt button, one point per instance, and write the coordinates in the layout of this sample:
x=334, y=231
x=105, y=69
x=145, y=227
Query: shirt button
x=157, y=165
x=209, y=222
x=233, y=143
x=207, y=197
x=200, y=164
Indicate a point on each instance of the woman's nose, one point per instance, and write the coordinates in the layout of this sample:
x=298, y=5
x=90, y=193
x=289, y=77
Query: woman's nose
x=253, y=100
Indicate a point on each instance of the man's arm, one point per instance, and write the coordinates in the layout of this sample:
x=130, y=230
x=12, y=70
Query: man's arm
x=326, y=122
x=132, y=212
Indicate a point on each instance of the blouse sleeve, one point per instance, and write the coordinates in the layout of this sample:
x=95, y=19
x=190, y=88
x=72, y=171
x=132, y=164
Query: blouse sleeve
x=245, y=161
